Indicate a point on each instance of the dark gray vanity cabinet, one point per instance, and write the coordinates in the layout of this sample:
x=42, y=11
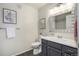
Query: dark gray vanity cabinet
x=50, y=48
x=67, y=50
x=44, y=50
x=53, y=52
x=65, y=54
x=53, y=49
x=44, y=47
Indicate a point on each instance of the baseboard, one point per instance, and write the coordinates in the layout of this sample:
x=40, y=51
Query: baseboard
x=21, y=52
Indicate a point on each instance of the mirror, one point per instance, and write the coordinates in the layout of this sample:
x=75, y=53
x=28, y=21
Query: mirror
x=58, y=22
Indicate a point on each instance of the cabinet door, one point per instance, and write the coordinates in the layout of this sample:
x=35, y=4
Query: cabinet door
x=43, y=50
x=74, y=54
x=69, y=50
x=65, y=54
x=53, y=52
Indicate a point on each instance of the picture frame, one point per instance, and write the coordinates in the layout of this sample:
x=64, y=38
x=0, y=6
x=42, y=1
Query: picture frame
x=9, y=16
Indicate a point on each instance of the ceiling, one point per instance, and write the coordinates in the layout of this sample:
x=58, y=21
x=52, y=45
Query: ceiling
x=36, y=5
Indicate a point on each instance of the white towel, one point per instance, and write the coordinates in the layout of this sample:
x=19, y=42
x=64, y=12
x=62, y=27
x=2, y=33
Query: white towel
x=10, y=32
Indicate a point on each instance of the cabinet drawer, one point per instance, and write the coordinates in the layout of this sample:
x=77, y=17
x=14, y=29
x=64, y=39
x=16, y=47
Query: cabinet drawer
x=69, y=50
x=54, y=45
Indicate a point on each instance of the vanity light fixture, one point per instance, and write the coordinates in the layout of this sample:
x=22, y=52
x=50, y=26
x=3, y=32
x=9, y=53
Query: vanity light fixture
x=64, y=8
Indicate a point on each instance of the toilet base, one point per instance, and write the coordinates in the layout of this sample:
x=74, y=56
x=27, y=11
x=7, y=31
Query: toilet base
x=37, y=51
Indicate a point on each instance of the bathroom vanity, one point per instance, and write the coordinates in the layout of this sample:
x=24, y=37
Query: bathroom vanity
x=53, y=48
x=58, y=36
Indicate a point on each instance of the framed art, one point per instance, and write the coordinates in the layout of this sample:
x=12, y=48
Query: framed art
x=9, y=16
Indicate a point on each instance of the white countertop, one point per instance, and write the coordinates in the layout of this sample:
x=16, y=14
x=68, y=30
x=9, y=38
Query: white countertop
x=68, y=42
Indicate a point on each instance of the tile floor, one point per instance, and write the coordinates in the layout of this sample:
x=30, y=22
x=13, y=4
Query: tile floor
x=29, y=53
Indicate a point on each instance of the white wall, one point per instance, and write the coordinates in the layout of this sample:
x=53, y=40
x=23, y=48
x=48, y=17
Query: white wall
x=27, y=21
x=43, y=13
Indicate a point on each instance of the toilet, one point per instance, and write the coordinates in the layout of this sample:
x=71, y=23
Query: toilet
x=36, y=47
